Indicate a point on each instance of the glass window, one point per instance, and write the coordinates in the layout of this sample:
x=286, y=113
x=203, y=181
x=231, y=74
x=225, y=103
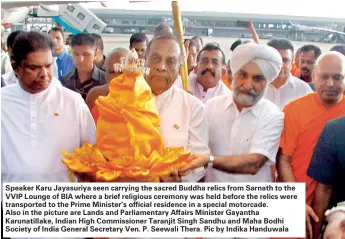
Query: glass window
x=70, y=8
x=81, y=16
x=96, y=27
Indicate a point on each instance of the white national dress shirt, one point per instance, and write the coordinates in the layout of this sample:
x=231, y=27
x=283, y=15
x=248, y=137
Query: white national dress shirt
x=35, y=128
x=291, y=90
x=198, y=90
x=9, y=78
x=183, y=122
x=253, y=130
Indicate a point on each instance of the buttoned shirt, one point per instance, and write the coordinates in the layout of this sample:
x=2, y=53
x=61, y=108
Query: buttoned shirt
x=198, y=90
x=254, y=130
x=182, y=121
x=72, y=81
x=35, y=128
x=65, y=63
x=292, y=89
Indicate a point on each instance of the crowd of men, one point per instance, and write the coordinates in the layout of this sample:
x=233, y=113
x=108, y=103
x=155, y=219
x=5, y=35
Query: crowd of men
x=271, y=113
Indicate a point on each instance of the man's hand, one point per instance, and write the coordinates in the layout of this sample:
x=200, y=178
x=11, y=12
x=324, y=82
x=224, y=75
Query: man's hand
x=310, y=214
x=250, y=25
x=195, y=161
x=172, y=178
x=336, y=226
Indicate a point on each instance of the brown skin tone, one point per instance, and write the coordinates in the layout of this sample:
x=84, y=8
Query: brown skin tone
x=228, y=68
x=99, y=58
x=83, y=57
x=191, y=60
x=140, y=48
x=210, y=69
x=322, y=196
x=336, y=226
x=103, y=90
x=35, y=71
x=164, y=61
x=287, y=57
x=248, y=86
x=330, y=92
x=247, y=80
x=310, y=216
x=307, y=63
x=296, y=60
x=59, y=41
x=329, y=80
x=197, y=40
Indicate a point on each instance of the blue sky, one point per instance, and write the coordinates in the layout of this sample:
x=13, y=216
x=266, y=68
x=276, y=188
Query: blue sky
x=315, y=8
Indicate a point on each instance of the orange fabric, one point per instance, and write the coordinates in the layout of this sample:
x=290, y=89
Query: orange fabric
x=129, y=146
x=95, y=113
x=303, y=124
x=295, y=71
x=226, y=81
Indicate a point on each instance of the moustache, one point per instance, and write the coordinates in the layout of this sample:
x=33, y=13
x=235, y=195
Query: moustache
x=251, y=92
x=207, y=70
x=305, y=69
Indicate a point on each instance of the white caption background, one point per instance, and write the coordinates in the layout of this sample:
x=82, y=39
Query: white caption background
x=206, y=210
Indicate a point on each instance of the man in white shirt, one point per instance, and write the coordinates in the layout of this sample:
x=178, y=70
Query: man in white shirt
x=207, y=82
x=182, y=116
x=285, y=87
x=10, y=77
x=244, y=127
x=40, y=117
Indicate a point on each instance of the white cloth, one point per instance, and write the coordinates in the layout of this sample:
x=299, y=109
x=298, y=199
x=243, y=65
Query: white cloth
x=5, y=63
x=35, y=128
x=253, y=130
x=291, y=90
x=267, y=58
x=55, y=69
x=182, y=121
x=9, y=78
x=198, y=91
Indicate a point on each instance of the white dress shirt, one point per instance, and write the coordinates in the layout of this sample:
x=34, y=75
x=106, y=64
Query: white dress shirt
x=292, y=89
x=182, y=121
x=35, y=128
x=9, y=78
x=182, y=124
x=198, y=90
x=253, y=130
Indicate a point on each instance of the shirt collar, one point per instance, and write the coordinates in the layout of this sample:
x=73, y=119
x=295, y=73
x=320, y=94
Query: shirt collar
x=254, y=109
x=40, y=94
x=94, y=74
x=210, y=90
x=61, y=55
x=162, y=99
x=289, y=81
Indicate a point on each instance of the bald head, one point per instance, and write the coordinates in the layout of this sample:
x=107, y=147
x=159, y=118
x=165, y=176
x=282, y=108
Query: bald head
x=331, y=61
x=329, y=77
x=114, y=57
x=162, y=30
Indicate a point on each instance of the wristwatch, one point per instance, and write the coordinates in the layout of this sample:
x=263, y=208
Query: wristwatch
x=210, y=162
